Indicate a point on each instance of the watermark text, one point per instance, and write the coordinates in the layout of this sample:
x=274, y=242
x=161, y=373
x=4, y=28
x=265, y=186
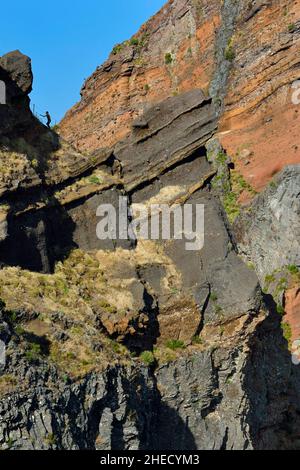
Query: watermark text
x=152, y=222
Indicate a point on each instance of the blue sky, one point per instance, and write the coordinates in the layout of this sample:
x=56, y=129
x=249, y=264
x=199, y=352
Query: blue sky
x=66, y=40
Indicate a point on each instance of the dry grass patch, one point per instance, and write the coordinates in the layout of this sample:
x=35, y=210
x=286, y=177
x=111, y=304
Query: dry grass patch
x=8, y=383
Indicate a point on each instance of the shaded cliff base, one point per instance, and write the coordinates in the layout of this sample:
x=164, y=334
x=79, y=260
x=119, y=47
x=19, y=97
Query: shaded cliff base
x=237, y=394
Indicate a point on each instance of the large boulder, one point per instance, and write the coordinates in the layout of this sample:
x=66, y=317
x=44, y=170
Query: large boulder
x=16, y=73
x=18, y=67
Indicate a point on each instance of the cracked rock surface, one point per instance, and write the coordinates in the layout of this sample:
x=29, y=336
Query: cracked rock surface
x=143, y=344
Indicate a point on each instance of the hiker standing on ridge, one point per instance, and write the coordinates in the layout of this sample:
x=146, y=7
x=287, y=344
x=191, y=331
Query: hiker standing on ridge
x=47, y=115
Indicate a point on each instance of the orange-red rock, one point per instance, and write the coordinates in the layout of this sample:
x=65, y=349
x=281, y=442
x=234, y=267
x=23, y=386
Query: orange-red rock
x=138, y=75
x=258, y=115
x=292, y=308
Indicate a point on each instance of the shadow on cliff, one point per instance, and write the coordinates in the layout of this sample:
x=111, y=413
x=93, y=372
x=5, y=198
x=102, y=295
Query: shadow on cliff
x=173, y=433
x=272, y=385
x=147, y=419
x=21, y=131
x=37, y=240
x=146, y=337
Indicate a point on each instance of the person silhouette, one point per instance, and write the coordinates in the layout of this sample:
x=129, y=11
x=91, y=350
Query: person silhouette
x=47, y=115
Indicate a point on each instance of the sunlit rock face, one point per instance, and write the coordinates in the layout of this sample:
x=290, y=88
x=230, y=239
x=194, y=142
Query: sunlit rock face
x=234, y=51
x=143, y=344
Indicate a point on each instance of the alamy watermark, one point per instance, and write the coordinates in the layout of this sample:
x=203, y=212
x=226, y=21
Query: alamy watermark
x=152, y=222
x=2, y=92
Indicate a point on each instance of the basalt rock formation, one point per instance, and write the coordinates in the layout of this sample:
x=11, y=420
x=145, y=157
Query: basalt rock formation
x=272, y=228
x=130, y=343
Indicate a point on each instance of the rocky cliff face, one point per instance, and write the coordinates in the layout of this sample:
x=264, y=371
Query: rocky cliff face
x=269, y=234
x=234, y=51
x=141, y=344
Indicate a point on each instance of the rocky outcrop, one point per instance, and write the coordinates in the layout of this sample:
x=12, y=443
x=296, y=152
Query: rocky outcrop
x=164, y=162
x=18, y=67
x=233, y=396
x=15, y=72
x=161, y=60
x=269, y=233
x=234, y=51
x=259, y=126
x=268, y=236
x=31, y=154
x=172, y=131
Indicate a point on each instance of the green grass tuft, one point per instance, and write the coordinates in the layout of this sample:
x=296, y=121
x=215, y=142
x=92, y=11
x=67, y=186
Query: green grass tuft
x=168, y=58
x=229, y=53
x=287, y=332
x=175, y=344
x=147, y=357
x=293, y=269
x=33, y=352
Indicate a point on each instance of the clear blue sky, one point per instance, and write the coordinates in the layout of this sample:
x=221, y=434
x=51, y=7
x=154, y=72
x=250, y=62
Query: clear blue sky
x=66, y=40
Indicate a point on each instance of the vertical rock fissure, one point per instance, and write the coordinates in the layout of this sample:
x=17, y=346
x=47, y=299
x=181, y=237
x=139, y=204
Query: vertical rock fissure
x=218, y=87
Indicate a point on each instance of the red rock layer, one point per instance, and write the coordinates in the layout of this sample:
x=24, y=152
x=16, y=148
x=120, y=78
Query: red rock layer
x=175, y=52
x=292, y=308
x=260, y=125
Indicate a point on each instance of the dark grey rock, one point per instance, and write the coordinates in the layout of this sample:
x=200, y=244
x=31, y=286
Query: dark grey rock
x=231, y=397
x=178, y=128
x=269, y=233
x=18, y=66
